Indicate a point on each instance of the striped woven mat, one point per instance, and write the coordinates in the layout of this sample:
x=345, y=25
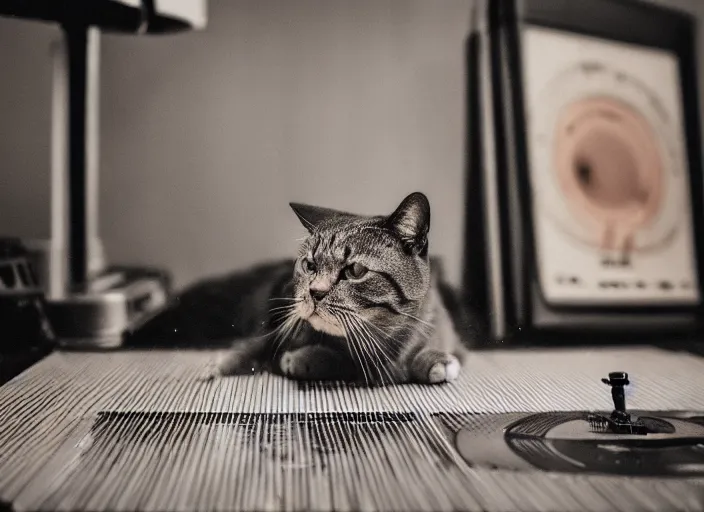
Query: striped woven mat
x=142, y=431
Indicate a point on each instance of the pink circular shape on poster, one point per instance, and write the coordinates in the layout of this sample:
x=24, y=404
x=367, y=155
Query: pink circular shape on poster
x=609, y=168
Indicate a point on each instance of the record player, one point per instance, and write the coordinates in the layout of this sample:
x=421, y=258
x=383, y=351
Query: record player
x=618, y=443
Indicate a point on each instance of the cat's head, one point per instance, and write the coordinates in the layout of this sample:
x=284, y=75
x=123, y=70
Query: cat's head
x=354, y=269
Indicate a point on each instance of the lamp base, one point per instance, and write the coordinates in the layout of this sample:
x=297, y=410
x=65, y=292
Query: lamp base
x=108, y=307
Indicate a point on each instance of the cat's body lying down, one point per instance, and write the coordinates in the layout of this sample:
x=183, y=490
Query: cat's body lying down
x=363, y=302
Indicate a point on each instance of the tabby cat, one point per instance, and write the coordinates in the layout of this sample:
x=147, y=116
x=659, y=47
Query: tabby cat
x=363, y=302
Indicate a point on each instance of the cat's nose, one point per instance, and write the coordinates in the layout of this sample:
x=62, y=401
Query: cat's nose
x=320, y=287
x=318, y=294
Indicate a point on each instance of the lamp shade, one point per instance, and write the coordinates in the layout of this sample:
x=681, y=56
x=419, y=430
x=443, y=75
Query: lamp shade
x=129, y=16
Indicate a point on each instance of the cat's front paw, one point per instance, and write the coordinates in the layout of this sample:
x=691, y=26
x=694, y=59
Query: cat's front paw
x=444, y=371
x=209, y=373
x=432, y=366
x=294, y=364
x=314, y=362
x=246, y=357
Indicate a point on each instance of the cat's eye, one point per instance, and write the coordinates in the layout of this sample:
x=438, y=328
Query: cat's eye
x=309, y=266
x=355, y=271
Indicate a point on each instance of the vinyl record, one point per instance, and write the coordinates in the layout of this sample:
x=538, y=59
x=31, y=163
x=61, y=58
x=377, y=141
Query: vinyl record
x=565, y=442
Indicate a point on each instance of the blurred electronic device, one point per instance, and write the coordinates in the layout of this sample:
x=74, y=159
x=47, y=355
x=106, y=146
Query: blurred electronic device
x=26, y=334
x=92, y=304
x=585, y=181
x=114, y=303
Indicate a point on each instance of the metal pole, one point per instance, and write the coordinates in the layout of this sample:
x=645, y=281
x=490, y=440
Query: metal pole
x=58, y=249
x=94, y=255
x=83, y=50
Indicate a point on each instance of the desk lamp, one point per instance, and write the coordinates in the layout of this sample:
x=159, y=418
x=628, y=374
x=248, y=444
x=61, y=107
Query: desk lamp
x=91, y=304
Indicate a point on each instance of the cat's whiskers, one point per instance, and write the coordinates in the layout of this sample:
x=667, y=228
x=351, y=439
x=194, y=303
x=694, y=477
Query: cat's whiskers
x=280, y=339
x=293, y=299
x=291, y=322
x=283, y=331
x=382, y=331
x=358, y=321
x=285, y=322
x=284, y=308
x=367, y=322
x=292, y=332
x=350, y=335
x=422, y=322
x=365, y=349
x=367, y=342
x=371, y=342
x=391, y=363
x=281, y=316
x=363, y=338
x=376, y=341
x=285, y=311
x=423, y=331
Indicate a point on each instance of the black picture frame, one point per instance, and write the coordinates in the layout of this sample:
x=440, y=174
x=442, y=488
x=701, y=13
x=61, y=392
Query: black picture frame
x=500, y=272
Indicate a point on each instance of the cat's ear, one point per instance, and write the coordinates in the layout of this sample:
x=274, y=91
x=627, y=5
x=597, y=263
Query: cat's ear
x=411, y=221
x=312, y=216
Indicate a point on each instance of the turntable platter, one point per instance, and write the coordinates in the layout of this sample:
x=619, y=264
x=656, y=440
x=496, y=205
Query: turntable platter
x=562, y=442
x=625, y=443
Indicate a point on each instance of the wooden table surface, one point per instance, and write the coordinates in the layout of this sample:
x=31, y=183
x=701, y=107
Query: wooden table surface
x=140, y=430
